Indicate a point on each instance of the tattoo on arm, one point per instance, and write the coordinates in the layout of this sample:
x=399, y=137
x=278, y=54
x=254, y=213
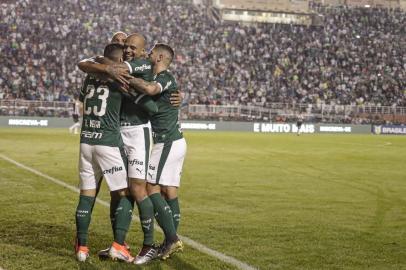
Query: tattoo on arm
x=144, y=87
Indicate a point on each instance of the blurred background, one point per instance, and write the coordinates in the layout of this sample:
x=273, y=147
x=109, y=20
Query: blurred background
x=335, y=61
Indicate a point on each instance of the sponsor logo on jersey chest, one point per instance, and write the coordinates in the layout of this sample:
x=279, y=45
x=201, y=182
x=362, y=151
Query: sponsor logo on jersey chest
x=142, y=68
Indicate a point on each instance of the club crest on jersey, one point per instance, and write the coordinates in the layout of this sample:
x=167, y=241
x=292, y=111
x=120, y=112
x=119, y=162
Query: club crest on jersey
x=113, y=170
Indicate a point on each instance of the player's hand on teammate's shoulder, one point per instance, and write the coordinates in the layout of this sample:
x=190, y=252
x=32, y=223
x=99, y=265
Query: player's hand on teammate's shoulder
x=176, y=99
x=119, y=74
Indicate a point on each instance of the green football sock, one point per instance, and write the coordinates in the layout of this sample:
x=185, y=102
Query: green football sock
x=83, y=217
x=122, y=219
x=146, y=212
x=163, y=215
x=174, y=205
x=114, y=201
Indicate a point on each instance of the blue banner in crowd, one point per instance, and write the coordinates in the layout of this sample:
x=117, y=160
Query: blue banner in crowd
x=389, y=129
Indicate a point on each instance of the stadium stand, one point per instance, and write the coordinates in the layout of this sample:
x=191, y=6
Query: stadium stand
x=299, y=6
x=358, y=56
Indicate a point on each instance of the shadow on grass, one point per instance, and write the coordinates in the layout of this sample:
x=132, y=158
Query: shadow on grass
x=57, y=241
x=176, y=262
x=46, y=237
x=40, y=236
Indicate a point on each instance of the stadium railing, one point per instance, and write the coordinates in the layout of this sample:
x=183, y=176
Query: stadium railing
x=288, y=111
x=19, y=107
x=271, y=112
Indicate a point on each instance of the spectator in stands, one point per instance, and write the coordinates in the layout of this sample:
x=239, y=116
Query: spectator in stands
x=357, y=57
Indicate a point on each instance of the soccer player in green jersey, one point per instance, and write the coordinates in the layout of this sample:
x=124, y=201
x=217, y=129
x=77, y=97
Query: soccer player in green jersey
x=102, y=155
x=169, y=149
x=117, y=38
x=136, y=133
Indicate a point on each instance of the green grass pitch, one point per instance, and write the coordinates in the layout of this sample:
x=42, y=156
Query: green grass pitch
x=271, y=201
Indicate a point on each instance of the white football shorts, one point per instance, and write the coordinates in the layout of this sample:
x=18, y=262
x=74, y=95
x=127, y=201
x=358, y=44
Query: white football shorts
x=165, y=166
x=137, y=145
x=96, y=161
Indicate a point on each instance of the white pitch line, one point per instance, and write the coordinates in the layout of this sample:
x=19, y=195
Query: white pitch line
x=196, y=245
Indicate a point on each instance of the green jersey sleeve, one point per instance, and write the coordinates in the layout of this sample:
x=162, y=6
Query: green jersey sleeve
x=166, y=82
x=147, y=104
x=82, y=93
x=144, y=101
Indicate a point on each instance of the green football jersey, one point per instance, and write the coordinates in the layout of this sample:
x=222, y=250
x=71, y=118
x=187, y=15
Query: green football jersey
x=101, y=113
x=133, y=113
x=165, y=123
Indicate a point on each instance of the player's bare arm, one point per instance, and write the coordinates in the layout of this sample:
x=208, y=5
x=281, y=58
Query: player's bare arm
x=90, y=66
x=138, y=85
x=101, y=65
x=144, y=87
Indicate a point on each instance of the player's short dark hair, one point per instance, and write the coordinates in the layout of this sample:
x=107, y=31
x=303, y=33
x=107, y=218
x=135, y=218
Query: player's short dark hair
x=111, y=50
x=167, y=48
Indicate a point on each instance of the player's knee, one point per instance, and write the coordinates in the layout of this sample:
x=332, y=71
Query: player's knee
x=151, y=189
x=169, y=193
x=117, y=194
x=88, y=192
x=138, y=188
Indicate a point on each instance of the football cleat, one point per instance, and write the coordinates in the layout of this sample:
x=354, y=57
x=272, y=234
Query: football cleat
x=146, y=254
x=104, y=253
x=120, y=253
x=168, y=248
x=82, y=253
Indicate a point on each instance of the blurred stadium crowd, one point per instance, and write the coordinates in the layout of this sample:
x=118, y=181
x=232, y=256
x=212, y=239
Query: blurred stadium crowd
x=357, y=57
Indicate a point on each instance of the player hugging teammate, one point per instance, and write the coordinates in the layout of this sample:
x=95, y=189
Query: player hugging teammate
x=122, y=102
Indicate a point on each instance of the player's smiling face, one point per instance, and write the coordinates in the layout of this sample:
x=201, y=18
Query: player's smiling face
x=133, y=49
x=130, y=52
